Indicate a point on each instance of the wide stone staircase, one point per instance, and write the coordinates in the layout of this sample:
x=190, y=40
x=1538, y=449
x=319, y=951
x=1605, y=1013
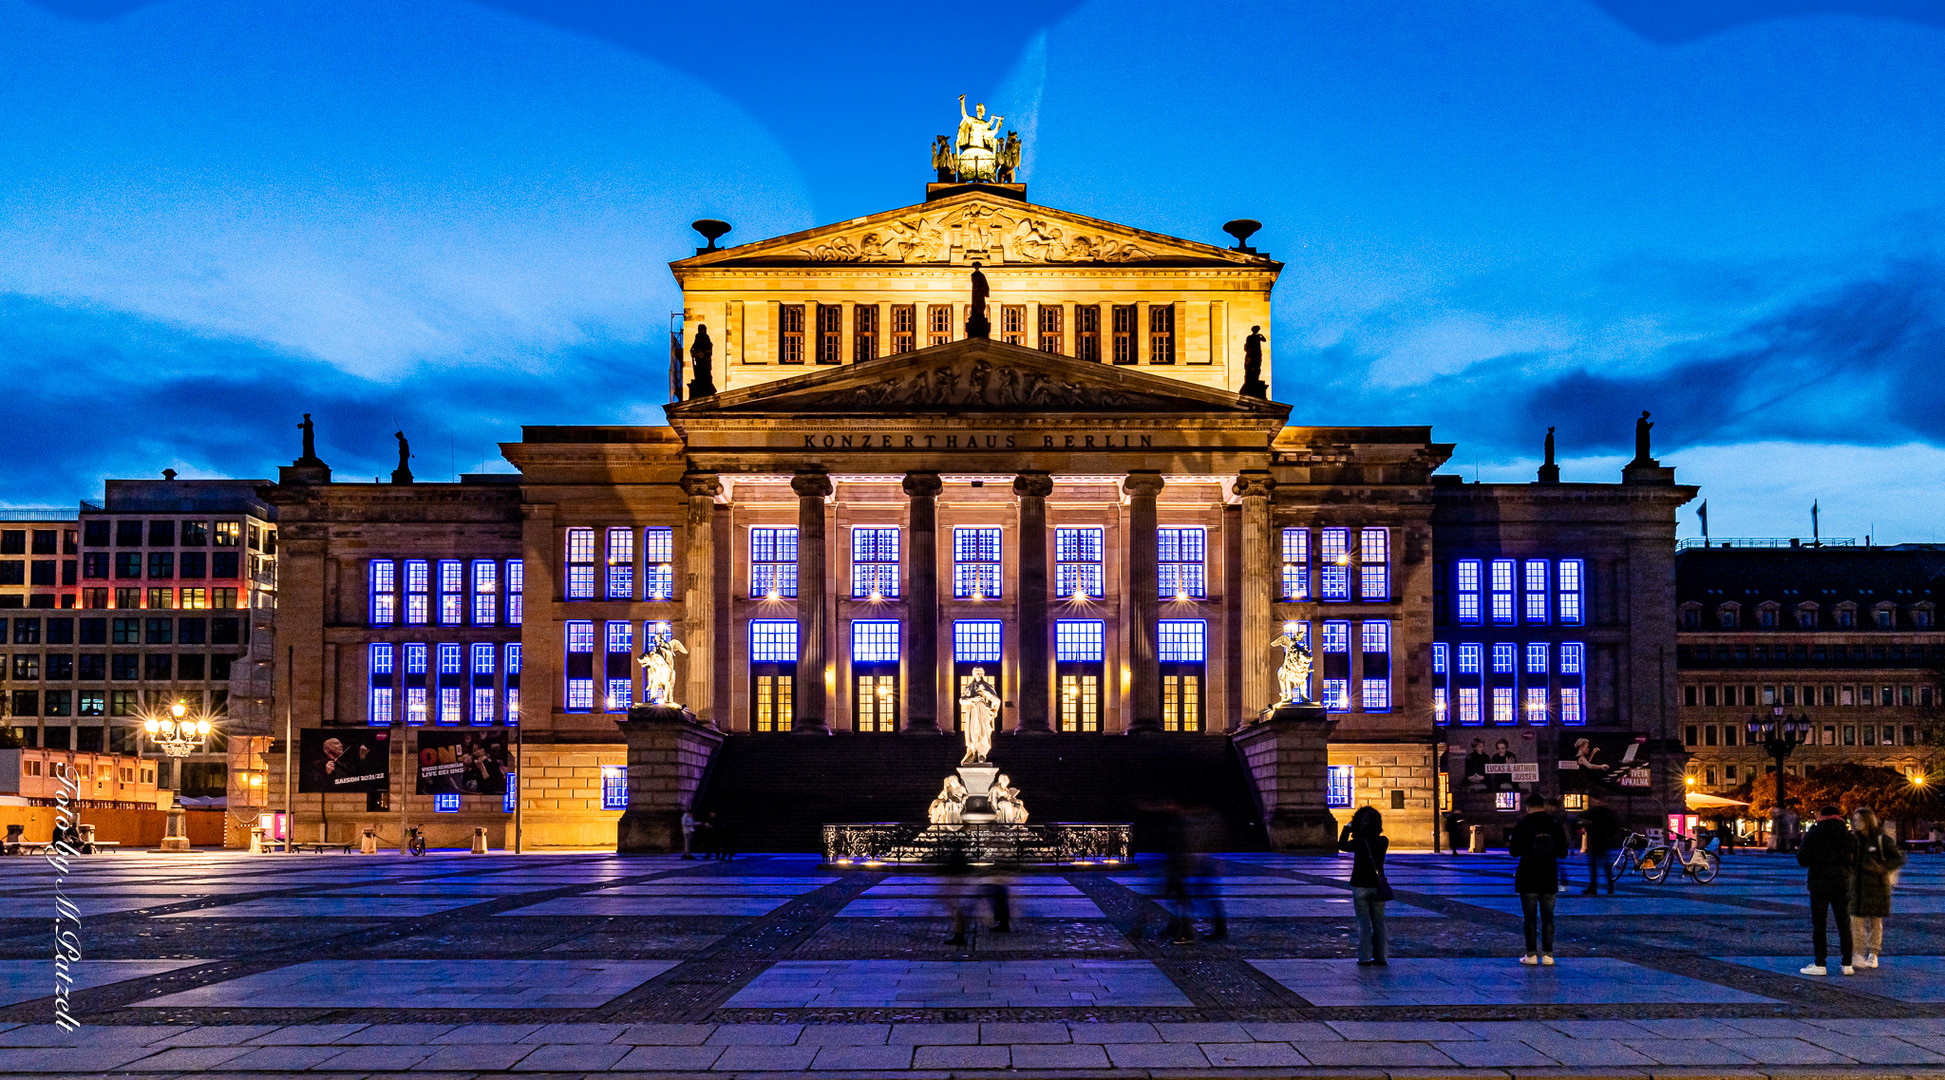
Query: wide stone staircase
x=778, y=791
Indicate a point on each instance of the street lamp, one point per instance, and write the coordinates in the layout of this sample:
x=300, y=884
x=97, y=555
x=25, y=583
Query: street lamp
x=1780, y=735
x=178, y=737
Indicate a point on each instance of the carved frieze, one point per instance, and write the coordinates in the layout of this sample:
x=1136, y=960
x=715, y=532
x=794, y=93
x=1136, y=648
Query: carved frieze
x=977, y=231
x=977, y=383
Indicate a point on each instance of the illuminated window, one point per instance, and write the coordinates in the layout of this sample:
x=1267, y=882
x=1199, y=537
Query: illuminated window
x=1506, y=801
x=790, y=333
x=773, y=641
x=580, y=564
x=513, y=683
x=1077, y=563
x=510, y=799
x=1341, y=780
x=1441, y=684
x=773, y=563
x=1184, y=654
x=904, y=328
x=1124, y=333
x=975, y=641
x=1536, y=704
x=1504, y=656
x=874, y=672
x=864, y=333
x=1570, y=591
x=773, y=668
x=484, y=655
x=1374, y=565
x=658, y=563
x=1078, y=669
x=619, y=666
x=1465, y=578
x=938, y=324
x=1502, y=591
x=1051, y=338
x=1334, y=564
x=874, y=641
x=1296, y=565
x=1078, y=640
x=874, y=563
x=1573, y=710
x=1536, y=591
x=516, y=591
x=1161, y=333
x=1336, y=665
x=830, y=334
x=380, y=714
x=445, y=802
x=417, y=705
x=614, y=787
x=975, y=563
x=384, y=595
x=621, y=564
x=1375, y=635
x=452, y=689
x=1013, y=324
x=418, y=584
x=1087, y=333
x=1536, y=658
x=452, y=592
x=579, y=668
x=1469, y=705
x=1180, y=563
x=486, y=592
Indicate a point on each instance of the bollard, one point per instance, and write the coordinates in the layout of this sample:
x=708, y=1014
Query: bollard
x=1478, y=843
x=256, y=841
x=479, y=840
x=368, y=843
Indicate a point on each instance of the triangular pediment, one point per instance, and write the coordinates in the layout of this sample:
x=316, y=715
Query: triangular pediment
x=993, y=229
x=972, y=376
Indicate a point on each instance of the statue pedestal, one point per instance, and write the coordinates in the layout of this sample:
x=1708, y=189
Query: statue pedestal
x=176, y=830
x=668, y=753
x=979, y=781
x=1287, y=753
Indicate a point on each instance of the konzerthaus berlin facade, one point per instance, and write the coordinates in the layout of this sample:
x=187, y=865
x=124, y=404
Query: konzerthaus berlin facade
x=873, y=502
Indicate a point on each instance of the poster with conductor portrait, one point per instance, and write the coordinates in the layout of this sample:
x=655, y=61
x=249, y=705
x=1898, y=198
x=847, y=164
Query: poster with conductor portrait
x=344, y=759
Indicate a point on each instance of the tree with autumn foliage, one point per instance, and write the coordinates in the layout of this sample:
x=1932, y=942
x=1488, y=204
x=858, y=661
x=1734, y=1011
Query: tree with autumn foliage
x=1848, y=785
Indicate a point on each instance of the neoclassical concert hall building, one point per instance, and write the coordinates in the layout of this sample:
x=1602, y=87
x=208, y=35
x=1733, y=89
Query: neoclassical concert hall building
x=861, y=500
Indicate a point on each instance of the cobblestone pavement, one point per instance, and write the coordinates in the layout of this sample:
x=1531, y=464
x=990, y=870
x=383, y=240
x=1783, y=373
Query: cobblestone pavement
x=231, y=965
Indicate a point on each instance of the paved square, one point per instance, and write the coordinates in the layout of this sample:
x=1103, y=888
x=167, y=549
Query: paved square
x=429, y=984
x=1904, y=978
x=1480, y=981
x=26, y=980
x=1015, y=984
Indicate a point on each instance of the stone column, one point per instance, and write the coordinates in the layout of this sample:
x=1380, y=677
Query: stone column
x=1253, y=490
x=1144, y=603
x=1031, y=602
x=922, y=606
x=813, y=696
x=699, y=594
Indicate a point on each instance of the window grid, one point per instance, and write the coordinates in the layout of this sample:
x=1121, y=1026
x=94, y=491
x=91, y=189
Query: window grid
x=1571, y=572
x=1536, y=591
x=418, y=582
x=874, y=563
x=384, y=595
x=450, y=700
x=874, y=641
x=1503, y=705
x=976, y=641
x=1536, y=705
x=1180, y=558
x=1296, y=565
x=1183, y=641
x=1469, y=658
x=1336, y=642
x=513, y=685
x=1536, y=658
x=1337, y=791
x=1469, y=715
x=451, y=660
x=1502, y=592
x=580, y=564
x=381, y=707
x=614, y=786
x=580, y=676
x=1374, y=565
x=773, y=563
x=1079, y=640
x=621, y=564
x=1077, y=563
x=1334, y=564
x=617, y=675
x=1466, y=587
x=1375, y=685
x=516, y=591
x=1503, y=657
x=658, y=563
x=486, y=592
x=773, y=641
x=976, y=563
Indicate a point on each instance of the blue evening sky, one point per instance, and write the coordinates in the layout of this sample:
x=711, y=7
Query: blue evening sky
x=455, y=216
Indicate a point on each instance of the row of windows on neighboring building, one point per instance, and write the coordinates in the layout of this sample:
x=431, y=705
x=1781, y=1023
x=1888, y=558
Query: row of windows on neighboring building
x=44, y=542
x=1852, y=734
x=1510, y=592
x=446, y=592
x=1505, y=683
x=1810, y=616
x=159, y=565
x=171, y=532
x=130, y=703
x=1828, y=695
x=131, y=630
x=450, y=683
x=815, y=332
x=1838, y=654
x=116, y=667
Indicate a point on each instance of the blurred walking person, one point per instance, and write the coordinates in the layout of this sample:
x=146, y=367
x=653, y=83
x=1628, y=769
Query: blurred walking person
x=1539, y=843
x=1364, y=838
x=1598, y=827
x=1873, y=876
x=1827, y=854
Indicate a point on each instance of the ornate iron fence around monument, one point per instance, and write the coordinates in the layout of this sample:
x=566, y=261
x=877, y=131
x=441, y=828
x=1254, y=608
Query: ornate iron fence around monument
x=1032, y=844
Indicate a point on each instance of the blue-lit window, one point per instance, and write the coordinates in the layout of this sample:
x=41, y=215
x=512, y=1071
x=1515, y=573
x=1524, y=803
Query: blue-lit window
x=1502, y=592
x=1441, y=684
x=1571, y=573
x=1572, y=655
x=1469, y=658
x=381, y=659
x=452, y=592
x=614, y=787
x=580, y=665
x=874, y=641
x=1077, y=563
x=418, y=596
x=1078, y=641
x=1334, y=564
x=1536, y=704
x=1375, y=677
x=1341, y=781
x=1180, y=562
x=1504, y=656
x=1183, y=641
x=484, y=655
x=975, y=563
x=621, y=564
x=451, y=659
x=618, y=666
x=1441, y=705
x=773, y=563
x=1502, y=700
x=658, y=563
x=1506, y=801
x=516, y=591
x=486, y=592
x=510, y=800
x=1536, y=591
x=976, y=641
x=380, y=705
x=384, y=592
x=1296, y=564
x=451, y=701
x=773, y=666
x=445, y=803
x=1536, y=658
x=1468, y=705
x=1573, y=681
x=1184, y=653
x=417, y=704
x=773, y=641
x=513, y=683
x=1335, y=640
x=1573, y=712
x=874, y=563
x=580, y=564
x=1441, y=659
x=1374, y=565
x=1465, y=588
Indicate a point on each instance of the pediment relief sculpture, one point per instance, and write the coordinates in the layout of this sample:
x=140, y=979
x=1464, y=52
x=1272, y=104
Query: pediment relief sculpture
x=980, y=231
x=978, y=383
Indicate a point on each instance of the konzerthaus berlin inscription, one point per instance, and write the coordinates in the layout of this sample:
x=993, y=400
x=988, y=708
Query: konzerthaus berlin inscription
x=977, y=433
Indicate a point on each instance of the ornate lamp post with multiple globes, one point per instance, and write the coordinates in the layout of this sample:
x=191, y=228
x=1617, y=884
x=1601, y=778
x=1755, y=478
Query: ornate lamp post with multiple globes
x=1780, y=735
x=177, y=736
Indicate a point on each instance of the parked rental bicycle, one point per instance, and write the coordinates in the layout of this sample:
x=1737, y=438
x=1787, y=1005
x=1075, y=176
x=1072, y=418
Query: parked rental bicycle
x=415, y=841
x=1654, y=859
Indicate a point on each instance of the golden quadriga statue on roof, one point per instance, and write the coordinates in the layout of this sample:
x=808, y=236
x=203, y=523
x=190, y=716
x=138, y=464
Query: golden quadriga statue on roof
x=977, y=151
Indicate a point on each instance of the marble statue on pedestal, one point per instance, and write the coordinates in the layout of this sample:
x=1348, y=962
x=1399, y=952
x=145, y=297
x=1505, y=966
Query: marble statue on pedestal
x=658, y=670
x=1293, y=675
x=980, y=708
x=950, y=806
x=1008, y=807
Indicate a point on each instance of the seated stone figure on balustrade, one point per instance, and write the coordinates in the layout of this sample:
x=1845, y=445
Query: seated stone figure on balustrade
x=1008, y=807
x=950, y=806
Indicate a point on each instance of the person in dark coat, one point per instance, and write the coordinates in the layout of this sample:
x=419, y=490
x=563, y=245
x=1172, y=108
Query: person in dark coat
x=1878, y=861
x=1600, y=827
x=1828, y=853
x=1539, y=843
x=1366, y=842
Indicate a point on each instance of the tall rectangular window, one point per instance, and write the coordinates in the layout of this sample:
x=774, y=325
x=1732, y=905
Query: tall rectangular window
x=1465, y=588
x=1078, y=668
x=418, y=599
x=579, y=667
x=1336, y=665
x=1179, y=556
x=874, y=563
x=1536, y=591
x=1087, y=333
x=790, y=333
x=1334, y=564
x=1468, y=682
x=580, y=564
x=658, y=563
x=1052, y=340
x=830, y=333
x=1441, y=684
x=976, y=643
x=976, y=563
x=773, y=673
x=516, y=591
x=486, y=592
x=484, y=707
x=1077, y=563
x=619, y=667
x=874, y=673
x=938, y=324
x=1375, y=678
x=904, y=328
x=417, y=704
x=452, y=678
x=773, y=563
x=1502, y=592
x=621, y=564
x=382, y=681
x=1013, y=324
x=1161, y=333
x=513, y=683
x=452, y=592
x=1296, y=565
x=1124, y=333
x=864, y=333
x=1468, y=697
x=1374, y=564
x=1339, y=783
x=614, y=787
x=1573, y=679
x=1184, y=655
x=384, y=592
x=1571, y=573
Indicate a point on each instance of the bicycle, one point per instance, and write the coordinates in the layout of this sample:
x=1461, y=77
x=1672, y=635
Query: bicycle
x=1638, y=853
x=415, y=841
x=1697, y=862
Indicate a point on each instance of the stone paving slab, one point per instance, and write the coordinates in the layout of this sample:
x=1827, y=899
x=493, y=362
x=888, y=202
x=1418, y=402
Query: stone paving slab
x=1470, y=981
x=421, y=984
x=989, y=983
x=1902, y=978
x=28, y=980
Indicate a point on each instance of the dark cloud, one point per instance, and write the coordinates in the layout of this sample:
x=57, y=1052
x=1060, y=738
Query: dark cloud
x=98, y=393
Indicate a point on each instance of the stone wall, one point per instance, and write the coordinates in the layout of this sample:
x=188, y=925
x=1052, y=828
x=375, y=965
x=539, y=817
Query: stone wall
x=1381, y=769
x=1285, y=756
x=669, y=754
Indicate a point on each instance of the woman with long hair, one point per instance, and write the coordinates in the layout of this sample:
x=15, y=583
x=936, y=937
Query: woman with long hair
x=1364, y=839
x=1872, y=874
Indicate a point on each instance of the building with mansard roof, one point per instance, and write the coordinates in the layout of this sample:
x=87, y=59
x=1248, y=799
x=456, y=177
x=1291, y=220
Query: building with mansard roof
x=971, y=433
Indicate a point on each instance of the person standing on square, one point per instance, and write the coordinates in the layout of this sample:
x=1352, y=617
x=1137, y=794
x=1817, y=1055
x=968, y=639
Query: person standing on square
x=1539, y=843
x=1827, y=854
x=1872, y=877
